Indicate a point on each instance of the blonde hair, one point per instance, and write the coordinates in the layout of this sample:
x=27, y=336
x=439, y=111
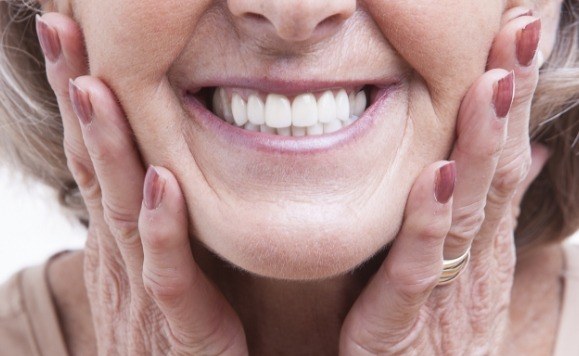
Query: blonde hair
x=31, y=133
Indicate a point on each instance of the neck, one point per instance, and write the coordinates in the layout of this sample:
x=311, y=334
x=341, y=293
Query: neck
x=277, y=315
x=283, y=315
x=280, y=314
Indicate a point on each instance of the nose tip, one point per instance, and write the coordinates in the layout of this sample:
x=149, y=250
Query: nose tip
x=294, y=21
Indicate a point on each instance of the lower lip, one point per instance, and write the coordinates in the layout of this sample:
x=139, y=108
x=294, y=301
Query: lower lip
x=279, y=144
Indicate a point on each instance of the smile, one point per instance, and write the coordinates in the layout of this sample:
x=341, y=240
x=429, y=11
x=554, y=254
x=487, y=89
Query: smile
x=310, y=119
x=307, y=114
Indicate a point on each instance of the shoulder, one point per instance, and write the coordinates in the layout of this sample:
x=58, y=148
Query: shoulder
x=15, y=331
x=28, y=322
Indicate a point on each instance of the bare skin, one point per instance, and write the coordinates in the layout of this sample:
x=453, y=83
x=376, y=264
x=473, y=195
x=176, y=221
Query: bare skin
x=532, y=331
x=397, y=310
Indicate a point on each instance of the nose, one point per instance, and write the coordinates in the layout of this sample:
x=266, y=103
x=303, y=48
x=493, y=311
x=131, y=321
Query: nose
x=293, y=20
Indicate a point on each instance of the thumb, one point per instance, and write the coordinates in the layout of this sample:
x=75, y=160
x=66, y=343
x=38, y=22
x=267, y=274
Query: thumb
x=200, y=319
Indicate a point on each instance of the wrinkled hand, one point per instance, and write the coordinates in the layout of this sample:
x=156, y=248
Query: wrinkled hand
x=147, y=295
x=402, y=311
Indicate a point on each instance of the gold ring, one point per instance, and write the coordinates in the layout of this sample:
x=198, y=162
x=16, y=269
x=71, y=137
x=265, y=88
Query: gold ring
x=451, y=269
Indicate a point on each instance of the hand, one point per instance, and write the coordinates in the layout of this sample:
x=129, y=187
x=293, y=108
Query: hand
x=402, y=311
x=144, y=283
x=147, y=295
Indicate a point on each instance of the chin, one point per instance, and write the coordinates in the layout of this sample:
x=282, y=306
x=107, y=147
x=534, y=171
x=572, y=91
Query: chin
x=296, y=241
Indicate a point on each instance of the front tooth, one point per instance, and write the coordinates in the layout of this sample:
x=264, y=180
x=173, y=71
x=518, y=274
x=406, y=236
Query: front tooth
x=227, y=114
x=284, y=131
x=255, y=110
x=304, y=110
x=326, y=107
x=251, y=127
x=267, y=129
x=332, y=126
x=342, y=105
x=298, y=131
x=238, y=110
x=360, y=104
x=315, y=130
x=278, y=111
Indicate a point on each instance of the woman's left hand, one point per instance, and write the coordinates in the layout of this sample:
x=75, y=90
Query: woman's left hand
x=402, y=310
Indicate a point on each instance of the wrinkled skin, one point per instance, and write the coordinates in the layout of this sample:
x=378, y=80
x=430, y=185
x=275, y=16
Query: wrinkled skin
x=146, y=291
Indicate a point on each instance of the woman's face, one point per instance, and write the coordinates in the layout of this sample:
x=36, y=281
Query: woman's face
x=291, y=207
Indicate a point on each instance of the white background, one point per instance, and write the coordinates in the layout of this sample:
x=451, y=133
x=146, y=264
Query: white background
x=32, y=226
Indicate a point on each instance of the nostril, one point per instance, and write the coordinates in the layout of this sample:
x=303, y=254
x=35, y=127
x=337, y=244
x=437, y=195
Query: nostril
x=256, y=17
x=292, y=21
x=330, y=21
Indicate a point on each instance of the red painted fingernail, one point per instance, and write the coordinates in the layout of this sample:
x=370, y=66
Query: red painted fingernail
x=504, y=93
x=445, y=182
x=48, y=38
x=80, y=103
x=154, y=189
x=528, y=42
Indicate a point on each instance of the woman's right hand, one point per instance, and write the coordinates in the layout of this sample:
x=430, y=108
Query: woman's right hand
x=147, y=295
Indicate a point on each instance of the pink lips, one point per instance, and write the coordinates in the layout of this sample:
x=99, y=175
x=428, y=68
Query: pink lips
x=278, y=144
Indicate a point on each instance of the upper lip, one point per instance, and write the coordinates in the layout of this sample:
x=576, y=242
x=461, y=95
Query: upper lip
x=289, y=87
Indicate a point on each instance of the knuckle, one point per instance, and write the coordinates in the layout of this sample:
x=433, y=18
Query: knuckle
x=86, y=181
x=361, y=337
x=467, y=222
x=164, y=285
x=122, y=223
x=434, y=230
x=58, y=83
x=218, y=336
x=156, y=239
x=100, y=153
x=411, y=283
x=487, y=150
x=362, y=342
x=113, y=282
x=511, y=173
x=74, y=148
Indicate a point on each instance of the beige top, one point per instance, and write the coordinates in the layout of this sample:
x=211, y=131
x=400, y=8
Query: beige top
x=29, y=324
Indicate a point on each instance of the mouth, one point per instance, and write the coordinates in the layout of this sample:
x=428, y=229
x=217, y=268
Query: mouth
x=311, y=113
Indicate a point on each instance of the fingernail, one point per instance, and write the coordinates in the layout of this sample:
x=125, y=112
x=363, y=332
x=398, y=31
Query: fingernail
x=154, y=189
x=80, y=103
x=528, y=42
x=48, y=38
x=503, y=96
x=524, y=13
x=444, y=182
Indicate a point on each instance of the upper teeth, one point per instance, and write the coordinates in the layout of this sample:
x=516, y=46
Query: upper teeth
x=273, y=113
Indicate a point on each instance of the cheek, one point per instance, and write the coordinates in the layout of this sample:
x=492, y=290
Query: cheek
x=430, y=36
x=134, y=42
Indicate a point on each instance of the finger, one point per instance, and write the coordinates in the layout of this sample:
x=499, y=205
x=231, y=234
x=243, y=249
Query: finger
x=117, y=166
x=388, y=309
x=514, y=13
x=514, y=48
x=200, y=319
x=539, y=156
x=481, y=130
x=62, y=44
